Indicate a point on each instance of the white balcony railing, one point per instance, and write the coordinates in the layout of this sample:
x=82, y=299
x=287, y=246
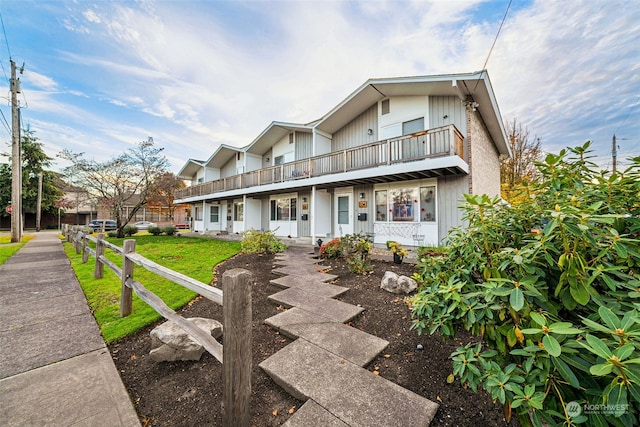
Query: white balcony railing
x=442, y=141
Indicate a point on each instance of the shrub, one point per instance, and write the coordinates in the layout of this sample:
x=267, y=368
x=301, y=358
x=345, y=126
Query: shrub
x=331, y=249
x=397, y=248
x=355, y=250
x=169, y=230
x=156, y=231
x=130, y=230
x=112, y=234
x=553, y=287
x=264, y=242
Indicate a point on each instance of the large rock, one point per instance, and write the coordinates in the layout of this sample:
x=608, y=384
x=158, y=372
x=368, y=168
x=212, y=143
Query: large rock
x=391, y=282
x=170, y=343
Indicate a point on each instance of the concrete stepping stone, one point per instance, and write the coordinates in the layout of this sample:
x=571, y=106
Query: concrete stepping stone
x=351, y=393
x=308, y=273
x=312, y=415
x=338, y=311
x=295, y=316
x=313, y=286
x=351, y=344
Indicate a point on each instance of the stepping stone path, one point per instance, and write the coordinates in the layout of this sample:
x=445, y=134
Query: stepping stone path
x=324, y=366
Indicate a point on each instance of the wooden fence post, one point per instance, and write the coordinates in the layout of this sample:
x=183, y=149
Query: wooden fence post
x=236, y=312
x=126, y=295
x=77, y=241
x=85, y=252
x=98, y=269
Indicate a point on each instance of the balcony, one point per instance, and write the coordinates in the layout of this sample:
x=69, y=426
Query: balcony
x=438, y=142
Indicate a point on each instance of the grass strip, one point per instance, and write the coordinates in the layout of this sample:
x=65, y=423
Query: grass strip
x=194, y=257
x=7, y=248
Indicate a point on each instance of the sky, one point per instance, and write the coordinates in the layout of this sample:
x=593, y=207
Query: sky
x=100, y=76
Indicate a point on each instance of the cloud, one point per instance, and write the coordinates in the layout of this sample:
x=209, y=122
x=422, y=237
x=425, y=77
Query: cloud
x=194, y=77
x=40, y=81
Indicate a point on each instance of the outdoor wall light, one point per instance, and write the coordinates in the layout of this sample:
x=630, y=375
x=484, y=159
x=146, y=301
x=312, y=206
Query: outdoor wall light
x=267, y=159
x=304, y=200
x=369, y=132
x=362, y=195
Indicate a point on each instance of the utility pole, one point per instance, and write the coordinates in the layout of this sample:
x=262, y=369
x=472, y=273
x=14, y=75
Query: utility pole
x=39, y=202
x=614, y=151
x=16, y=161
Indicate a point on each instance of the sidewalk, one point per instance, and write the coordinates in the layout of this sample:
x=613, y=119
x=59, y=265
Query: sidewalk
x=55, y=369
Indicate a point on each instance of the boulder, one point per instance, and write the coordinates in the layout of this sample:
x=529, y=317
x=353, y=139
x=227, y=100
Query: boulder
x=393, y=283
x=170, y=343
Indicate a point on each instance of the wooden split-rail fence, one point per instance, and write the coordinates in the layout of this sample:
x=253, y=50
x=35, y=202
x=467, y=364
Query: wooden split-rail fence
x=235, y=297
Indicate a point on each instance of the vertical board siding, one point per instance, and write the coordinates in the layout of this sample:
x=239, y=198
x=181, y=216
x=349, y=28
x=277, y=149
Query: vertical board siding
x=450, y=191
x=354, y=133
x=229, y=169
x=304, y=227
x=363, y=227
x=452, y=107
x=304, y=145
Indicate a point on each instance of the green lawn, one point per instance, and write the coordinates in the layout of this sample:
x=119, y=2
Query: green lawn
x=7, y=248
x=194, y=257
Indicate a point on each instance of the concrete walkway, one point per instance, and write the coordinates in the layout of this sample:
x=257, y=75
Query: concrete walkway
x=324, y=366
x=55, y=369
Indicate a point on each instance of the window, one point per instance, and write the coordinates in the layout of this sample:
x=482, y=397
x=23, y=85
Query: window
x=285, y=158
x=238, y=211
x=428, y=203
x=385, y=107
x=381, y=205
x=200, y=180
x=343, y=209
x=214, y=214
x=413, y=126
x=402, y=203
x=198, y=213
x=291, y=138
x=283, y=209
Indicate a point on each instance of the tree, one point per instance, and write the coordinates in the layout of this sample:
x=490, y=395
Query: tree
x=519, y=170
x=550, y=287
x=122, y=184
x=162, y=192
x=34, y=162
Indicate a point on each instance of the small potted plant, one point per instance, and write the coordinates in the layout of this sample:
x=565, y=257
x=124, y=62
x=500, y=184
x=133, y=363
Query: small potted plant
x=397, y=250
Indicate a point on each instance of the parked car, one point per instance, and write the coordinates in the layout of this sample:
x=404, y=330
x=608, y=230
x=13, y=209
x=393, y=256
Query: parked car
x=144, y=225
x=97, y=225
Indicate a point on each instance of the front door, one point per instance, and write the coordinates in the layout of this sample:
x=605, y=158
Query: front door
x=344, y=214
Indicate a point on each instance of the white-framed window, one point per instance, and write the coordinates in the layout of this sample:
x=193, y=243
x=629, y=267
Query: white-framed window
x=285, y=158
x=406, y=202
x=214, y=214
x=403, y=128
x=428, y=203
x=381, y=205
x=238, y=211
x=200, y=180
x=284, y=209
x=198, y=213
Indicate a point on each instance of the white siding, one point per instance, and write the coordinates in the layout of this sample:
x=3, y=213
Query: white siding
x=450, y=191
x=355, y=133
x=304, y=145
x=403, y=109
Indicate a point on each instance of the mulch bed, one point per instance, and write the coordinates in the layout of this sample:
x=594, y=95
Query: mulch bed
x=190, y=393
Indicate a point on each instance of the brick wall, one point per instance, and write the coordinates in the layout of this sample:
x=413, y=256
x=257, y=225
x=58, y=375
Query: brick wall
x=484, y=160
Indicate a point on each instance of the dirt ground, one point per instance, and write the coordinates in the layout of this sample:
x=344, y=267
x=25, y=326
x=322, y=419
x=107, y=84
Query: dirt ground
x=190, y=393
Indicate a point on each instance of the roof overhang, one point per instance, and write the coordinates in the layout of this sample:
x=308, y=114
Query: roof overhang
x=470, y=86
x=190, y=169
x=222, y=155
x=272, y=134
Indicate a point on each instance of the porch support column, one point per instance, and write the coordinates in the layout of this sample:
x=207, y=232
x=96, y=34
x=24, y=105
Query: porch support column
x=204, y=215
x=312, y=207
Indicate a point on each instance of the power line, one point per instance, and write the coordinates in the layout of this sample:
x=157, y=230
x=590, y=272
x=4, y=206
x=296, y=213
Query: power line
x=4, y=31
x=484, y=66
x=627, y=116
x=5, y=123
